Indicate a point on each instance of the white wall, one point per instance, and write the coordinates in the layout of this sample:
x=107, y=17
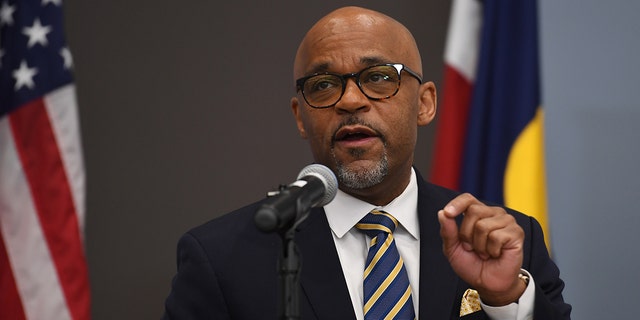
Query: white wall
x=590, y=68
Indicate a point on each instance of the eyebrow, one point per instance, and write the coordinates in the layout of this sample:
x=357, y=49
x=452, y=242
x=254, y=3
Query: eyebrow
x=368, y=61
x=320, y=67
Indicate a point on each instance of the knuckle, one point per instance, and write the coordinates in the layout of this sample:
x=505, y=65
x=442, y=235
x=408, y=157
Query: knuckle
x=468, y=196
x=483, y=226
x=496, y=237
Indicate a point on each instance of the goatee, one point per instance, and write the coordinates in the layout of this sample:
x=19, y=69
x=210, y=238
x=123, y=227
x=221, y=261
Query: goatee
x=362, y=178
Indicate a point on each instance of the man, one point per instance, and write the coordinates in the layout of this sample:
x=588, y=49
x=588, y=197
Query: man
x=360, y=99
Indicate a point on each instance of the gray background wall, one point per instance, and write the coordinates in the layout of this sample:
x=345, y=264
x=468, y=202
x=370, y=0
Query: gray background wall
x=590, y=53
x=185, y=116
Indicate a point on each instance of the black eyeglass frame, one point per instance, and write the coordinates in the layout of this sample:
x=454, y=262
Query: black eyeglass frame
x=356, y=75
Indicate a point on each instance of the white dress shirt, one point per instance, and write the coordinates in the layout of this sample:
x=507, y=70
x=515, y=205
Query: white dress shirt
x=352, y=245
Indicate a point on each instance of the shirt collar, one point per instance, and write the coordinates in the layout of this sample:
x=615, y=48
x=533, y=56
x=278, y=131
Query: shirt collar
x=345, y=210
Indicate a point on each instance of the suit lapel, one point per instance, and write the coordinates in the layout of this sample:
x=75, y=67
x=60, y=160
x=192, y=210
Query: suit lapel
x=438, y=282
x=322, y=279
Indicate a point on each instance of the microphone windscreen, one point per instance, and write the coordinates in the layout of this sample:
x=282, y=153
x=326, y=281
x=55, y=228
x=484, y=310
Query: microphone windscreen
x=327, y=177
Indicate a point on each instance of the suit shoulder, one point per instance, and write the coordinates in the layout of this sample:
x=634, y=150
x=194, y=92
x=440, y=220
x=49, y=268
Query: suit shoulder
x=234, y=222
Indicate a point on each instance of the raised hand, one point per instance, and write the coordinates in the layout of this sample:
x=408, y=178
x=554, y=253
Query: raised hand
x=486, y=250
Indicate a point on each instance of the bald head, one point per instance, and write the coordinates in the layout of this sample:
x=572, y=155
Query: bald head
x=353, y=35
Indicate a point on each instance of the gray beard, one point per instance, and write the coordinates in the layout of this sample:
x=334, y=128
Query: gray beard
x=362, y=179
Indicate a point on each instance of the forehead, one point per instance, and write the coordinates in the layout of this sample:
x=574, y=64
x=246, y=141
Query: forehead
x=345, y=44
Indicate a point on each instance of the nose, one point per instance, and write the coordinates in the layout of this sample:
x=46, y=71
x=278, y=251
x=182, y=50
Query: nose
x=353, y=100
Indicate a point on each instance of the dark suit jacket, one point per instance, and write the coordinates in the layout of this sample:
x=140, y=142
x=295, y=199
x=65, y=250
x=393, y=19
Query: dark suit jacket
x=227, y=269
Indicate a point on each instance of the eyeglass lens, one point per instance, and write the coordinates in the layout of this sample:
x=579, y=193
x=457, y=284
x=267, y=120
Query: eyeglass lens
x=377, y=82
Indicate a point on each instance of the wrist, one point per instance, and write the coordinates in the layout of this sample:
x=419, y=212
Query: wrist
x=499, y=299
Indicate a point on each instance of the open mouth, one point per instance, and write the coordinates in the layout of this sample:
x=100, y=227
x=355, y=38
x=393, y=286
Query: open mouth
x=354, y=133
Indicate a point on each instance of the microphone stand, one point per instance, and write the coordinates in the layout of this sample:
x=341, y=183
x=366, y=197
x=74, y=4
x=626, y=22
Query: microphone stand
x=289, y=276
x=289, y=264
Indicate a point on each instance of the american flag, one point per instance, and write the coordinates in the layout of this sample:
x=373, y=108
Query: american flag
x=43, y=270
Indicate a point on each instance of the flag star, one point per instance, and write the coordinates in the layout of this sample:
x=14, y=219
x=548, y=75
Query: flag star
x=37, y=33
x=66, y=56
x=6, y=14
x=56, y=2
x=24, y=76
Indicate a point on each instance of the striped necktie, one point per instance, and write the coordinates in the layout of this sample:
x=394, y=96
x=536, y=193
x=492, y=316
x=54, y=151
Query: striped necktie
x=387, y=294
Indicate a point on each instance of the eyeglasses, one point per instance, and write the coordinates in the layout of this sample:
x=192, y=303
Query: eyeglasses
x=378, y=82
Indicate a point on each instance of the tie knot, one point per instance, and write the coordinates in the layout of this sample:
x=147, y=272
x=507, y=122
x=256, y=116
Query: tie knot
x=377, y=221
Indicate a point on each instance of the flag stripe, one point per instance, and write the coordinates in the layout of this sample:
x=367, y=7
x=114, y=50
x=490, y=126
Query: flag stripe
x=525, y=174
x=461, y=58
x=10, y=303
x=29, y=257
x=62, y=109
x=38, y=151
x=452, y=129
x=463, y=37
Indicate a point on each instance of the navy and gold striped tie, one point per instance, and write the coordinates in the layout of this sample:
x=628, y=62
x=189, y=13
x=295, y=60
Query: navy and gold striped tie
x=387, y=293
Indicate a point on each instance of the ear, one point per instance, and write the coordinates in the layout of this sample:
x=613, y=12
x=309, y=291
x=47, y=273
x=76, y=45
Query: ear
x=428, y=103
x=295, y=107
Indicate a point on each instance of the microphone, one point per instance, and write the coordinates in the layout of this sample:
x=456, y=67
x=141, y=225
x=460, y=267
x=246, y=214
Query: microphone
x=315, y=187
